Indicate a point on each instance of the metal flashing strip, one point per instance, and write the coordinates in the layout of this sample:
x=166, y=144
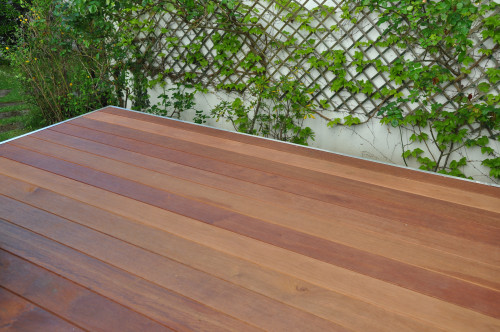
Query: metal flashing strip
x=53, y=125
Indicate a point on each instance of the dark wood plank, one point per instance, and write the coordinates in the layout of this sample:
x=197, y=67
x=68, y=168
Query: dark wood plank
x=326, y=228
x=313, y=153
x=474, y=250
x=224, y=297
x=385, y=295
x=147, y=298
x=73, y=302
x=355, y=195
x=286, y=161
x=17, y=314
x=345, y=310
x=433, y=284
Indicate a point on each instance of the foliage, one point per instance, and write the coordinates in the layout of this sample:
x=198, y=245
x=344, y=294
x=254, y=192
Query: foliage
x=442, y=30
x=64, y=71
x=113, y=52
x=10, y=13
x=278, y=112
x=175, y=104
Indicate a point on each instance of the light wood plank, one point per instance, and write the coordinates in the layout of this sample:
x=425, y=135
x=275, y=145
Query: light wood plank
x=345, y=310
x=225, y=297
x=324, y=275
x=385, y=180
x=326, y=228
x=408, y=208
x=416, y=234
x=425, y=177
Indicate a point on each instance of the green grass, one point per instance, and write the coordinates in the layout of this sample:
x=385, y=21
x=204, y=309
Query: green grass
x=13, y=133
x=13, y=119
x=14, y=108
x=9, y=82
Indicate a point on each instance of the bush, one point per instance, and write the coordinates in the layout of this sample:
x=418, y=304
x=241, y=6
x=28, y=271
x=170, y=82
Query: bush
x=62, y=69
x=10, y=11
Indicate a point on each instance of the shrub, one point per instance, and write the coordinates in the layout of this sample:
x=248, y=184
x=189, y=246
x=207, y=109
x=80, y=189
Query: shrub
x=62, y=68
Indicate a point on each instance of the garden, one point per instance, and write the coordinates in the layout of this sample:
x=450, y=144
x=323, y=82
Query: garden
x=417, y=81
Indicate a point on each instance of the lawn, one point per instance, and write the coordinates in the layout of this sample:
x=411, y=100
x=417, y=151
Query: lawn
x=13, y=109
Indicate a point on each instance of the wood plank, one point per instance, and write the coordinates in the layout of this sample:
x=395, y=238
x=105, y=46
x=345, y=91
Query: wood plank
x=458, y=246
x=345, y=310
x=325, y=275
x=68, y=300
x=425, y=177
x=420, y=280
x=474, y=200
x=403, y=207
x=166, y=307
x=17, y=314
x=334, y=230
x=224, y=297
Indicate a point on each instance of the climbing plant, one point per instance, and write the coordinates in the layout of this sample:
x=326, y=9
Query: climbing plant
x=441, y=33
x=436, y=57
x=427, y=68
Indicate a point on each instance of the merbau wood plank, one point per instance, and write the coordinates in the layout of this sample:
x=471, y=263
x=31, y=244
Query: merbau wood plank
x=420, y=235
x=223, y=296
x=456, y=291
x=345, y=310
x=17, y=314
x=470, y=223
x=325, y=275
x=334, y=230
x=426, y=177
x=68, y=300
x=475, y=200
x=145, y=297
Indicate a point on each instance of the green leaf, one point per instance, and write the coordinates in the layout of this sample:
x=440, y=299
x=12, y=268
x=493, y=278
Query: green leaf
x=483, y=87
x=210, y=7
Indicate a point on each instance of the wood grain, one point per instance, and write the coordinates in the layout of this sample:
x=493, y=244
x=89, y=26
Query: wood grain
x=445, y=242
x=144, y=223
x=222, y=296
x=18, y=314
x=349, y=312
x=340, y=232
x=386, y=180
x=166, y=307
x=446, y=288
x=425, y=177
x=69, y=300
x=375, y=200
x=392, y=298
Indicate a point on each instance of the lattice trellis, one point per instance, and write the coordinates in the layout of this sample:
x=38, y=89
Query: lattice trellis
x=185, y=49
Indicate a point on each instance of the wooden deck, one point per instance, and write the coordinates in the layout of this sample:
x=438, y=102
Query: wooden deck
x=121, y=221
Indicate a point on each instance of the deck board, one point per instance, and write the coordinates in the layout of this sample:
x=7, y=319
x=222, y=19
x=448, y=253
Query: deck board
x=84, y=308
x=340, y=232
x=192, y=228
x=18, y=314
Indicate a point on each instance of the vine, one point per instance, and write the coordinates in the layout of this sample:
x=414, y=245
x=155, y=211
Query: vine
x=283, y=74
